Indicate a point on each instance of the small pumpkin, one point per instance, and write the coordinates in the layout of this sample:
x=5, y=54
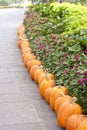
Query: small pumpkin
x=29, y=64
x=27, y=57
x=44, y=85
x=26, y=50
x=32, y=62
x=20, y=30
x=63, y=98
x=44, y=76
x=22, y=36
x=74, y=121
x=24, y=43
x=66, y=110
x=20, y=40
x=25, y=53
x=37, y=74
x=47, y=94
x=56, y=93
x=33, y=70
x=24, y=46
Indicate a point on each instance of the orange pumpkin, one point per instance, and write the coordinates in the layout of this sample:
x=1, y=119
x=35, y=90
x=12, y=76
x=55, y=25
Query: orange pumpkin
x=37, y=74
x=28, y=57
x=66, y=110
x=20, y=41
x=44, y=85
x=33, y=70
x=25, y=42
x=24, y=54
x=44, y=76
x=23, y=46
x=26, y=50
x=29, y=64
x=74, y=121
x=32, y=62
x=60, y=100
x=83, y=125
x=20, y=30
x=47, y=94
x=23, y=36
x=56, y=93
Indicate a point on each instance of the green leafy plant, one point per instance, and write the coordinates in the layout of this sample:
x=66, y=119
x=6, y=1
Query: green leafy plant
x=60, y=40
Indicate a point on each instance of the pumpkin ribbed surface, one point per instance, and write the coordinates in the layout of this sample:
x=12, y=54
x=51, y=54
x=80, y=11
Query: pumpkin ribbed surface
x=55, y=94
x=61, y=100
x=33, y=70
x=44, y=85
x=74, y=121
x=66, y=110
x=82, y=126
x=47, y=94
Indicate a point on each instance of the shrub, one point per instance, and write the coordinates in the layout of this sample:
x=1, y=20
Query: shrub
x=60, y=40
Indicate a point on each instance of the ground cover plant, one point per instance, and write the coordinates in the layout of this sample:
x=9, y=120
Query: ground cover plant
x=58, y=36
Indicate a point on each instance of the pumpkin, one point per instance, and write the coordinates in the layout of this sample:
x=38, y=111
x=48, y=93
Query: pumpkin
x=23, y=36
x=24, y=43
x=20, y=42
x=55, y=94
x=26, y=50
x=29, y=64
x=67, y=109
x=23, y=46
x=83, y=125
x=44, y=76
x=47, y=94
x=33, y=70
x=26, y=53
x=20, y=30
x=27, y=58
x=74, y=121
x=63, y=98
x=37, y=74
x=32, y=62
x=44, y=85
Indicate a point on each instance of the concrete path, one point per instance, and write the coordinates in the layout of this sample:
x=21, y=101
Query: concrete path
x=21, y=107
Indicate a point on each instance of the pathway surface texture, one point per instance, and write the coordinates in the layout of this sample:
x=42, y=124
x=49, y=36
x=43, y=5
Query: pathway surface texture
x=21, y=107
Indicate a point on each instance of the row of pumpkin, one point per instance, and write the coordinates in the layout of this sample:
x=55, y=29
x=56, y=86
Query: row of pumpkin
x=69, y=113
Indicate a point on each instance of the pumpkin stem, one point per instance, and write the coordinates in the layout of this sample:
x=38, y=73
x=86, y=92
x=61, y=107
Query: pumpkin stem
x=41, y=67
x=59, y=86
x=74, y=99
x=84, y=116
x=47, y=78
x=62, y=94
x=46, y=71
x=38, y=58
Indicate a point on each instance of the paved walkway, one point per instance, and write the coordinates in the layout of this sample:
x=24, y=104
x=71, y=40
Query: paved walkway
x=21, y=107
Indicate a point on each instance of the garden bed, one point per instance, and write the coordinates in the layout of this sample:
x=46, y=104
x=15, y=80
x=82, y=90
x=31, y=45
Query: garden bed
x=58, y=36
